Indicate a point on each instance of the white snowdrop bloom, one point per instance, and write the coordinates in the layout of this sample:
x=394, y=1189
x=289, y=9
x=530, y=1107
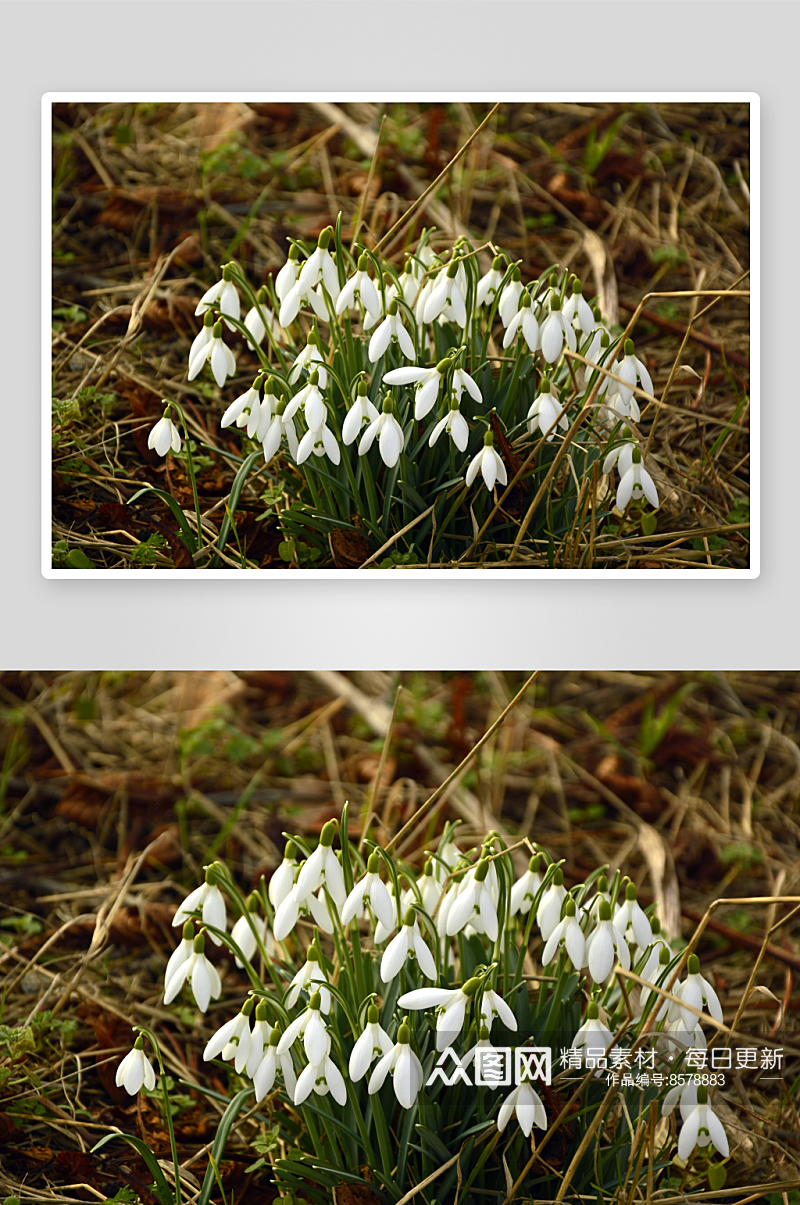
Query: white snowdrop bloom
x=232, y=1040
x=493, y=1006
x=320, y=267
x=461, y=381
x=408, y=283
x=450, y=897
x=370, y=890
x=595, y=352
x=164, y=437
x=383, y=932
x=577, y=310
x=474, y=906
x=450, y=1004
x=490, y=282
x=478, y=1053
x=182, y=953
x=593, y=1037
x=554, y=332
x=271, y=1062
x=209, y=901
x=312, y=401
x=321, y=442
x=222, y=296
x=544, y=412
x=423, y=297
x=684, y=1095
x=488, y=464
x=524, y=323
x=391, y=330
x=389, y=434
x=321, y=1078
x=616, y=408
x=293, y=907
x=407, y=944
x=405, y=1068
x=635, y=482
x=525, y=889
x=701, y=1128
x=567, y=933
x=260, y=1036
x=604, y=946
x=310, y=356
x=447, y=857
x=601, y=896
x=362, y=411
x=527, y=1106
x=203, y=337
x=447, y=298
x=135, y=1070
x=427, y=380
x=322, y=869
x=245, y=409
x=310, y=978
x=456, y=427
x=360, y=289
x=256, y=324
x=548, y=914
x=391, y=293
x=631, y=920
x=280, y=427
x=509, y=298
x=428, y=889
x=373, y=1043
x=287, y=277
x=697, y=992
x=220, y=357
x=199, y=973
x=654, y=972
x=244, y=936
x=269, y=404
x=630, y=370
x=282, y=880
x=312, y=1029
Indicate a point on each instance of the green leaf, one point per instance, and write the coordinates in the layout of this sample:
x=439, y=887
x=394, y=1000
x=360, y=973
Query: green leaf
x=163, y=1190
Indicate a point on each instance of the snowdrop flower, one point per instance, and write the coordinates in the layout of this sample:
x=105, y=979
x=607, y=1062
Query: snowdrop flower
x=310, y=975
x=577, y=308
x=593, y=1037
x=362, y=411
x=181, y=953
x=321, y=442
x=135, y=1070
x=544, y=412
x=428, y=889
x=264, y=1076
x=602, y=895
x=373, y=1042
x=383, y=932
x=389, y=433
x=246, y=409
x=406, y=1069
x=631, y=921
x=311, y=354
x=312, y=1029
x=428, y=381
x=634, y=479
x=409, y=281
x=199, y=973
x=232, y=1040
x=523, y=322
x=164, y=437
x=312, y=401
x=221, y=358
x=322, y=869
x=702, y=1127
x=287, y=277
x=407, y=944
x=461, y=381
x=360, y=289
x=489, y=464
x=293, y=907
x=446, y=297
x=493, y=1006
x=695, y=991
x=208, y=900
x=321, y=1078
x=259, y=1039
x=554, y=332
x=450, y=1004
x=320, y=267
x=269, y=404
x=567, y=933
x=244, y=936
x=509, y=298
x=222, y=296
x=684, y=1095
x=604, y=943
x=475, y=1053
x=474, y=906
x=654, y=972
x=630, y=370
x=279, y=427
x=391, y=330
x=370, y=890
x=446, y=860
x=254, y=321
x=548, y=914
x=490, y=282
x=525, y=889
x=203, y=337
x=456, y=427
x=527, y=1106
x=282, y=880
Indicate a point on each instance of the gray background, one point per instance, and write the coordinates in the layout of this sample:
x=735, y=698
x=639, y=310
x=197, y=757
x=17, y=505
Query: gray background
x=377, y=47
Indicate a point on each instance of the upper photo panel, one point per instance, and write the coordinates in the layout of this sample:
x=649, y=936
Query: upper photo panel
x=416, y=335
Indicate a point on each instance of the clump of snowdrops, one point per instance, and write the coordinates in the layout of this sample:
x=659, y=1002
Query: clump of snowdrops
x=399, y=402
x=365, y=981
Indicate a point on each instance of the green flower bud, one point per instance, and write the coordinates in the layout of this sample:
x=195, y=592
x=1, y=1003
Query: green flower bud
x=261, y=1011
x=313, y=379
x=392, y=311
x=188, y=931
x=409, y=917
x=558, y=878
x=629, y=347
x=325, y=237
x=248, y=1006
x=481, y=870
x=294, y=252
x=472, y=985
x=570, y=907
x=328, y=833
x=374, y=863
x=693, y=965
x=372, y=1014
x=605, y=910
x=216, y=330
x=702, y=1094
x=488, y=440
x=498, y=263
x=139, y=1043
x=630, y=891
x=199, y=945
x=592, y=1011
x=404, y=1034
x=452, y=268
x=227, y=272
x=208, y=318
x=315, y=1001
x=363, y=262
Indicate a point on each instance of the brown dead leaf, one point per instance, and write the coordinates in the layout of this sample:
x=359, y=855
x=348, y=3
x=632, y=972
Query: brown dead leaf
x=349, y=548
